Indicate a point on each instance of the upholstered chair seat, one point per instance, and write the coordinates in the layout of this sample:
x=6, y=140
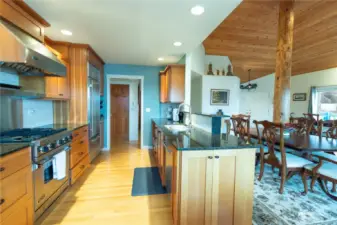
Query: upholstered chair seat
x=327, y=169
x=293, y=161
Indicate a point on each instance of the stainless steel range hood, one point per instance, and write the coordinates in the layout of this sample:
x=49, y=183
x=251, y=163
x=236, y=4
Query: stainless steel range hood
x=23, y=53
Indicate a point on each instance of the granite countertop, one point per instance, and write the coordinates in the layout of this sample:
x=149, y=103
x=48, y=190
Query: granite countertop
x=69, y=126
x=212, y=115
x=198, y=139
x=8, y=148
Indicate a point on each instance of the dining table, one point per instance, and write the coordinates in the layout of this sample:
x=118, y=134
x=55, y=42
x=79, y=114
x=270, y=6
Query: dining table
x=305, y=144
x=302, y=142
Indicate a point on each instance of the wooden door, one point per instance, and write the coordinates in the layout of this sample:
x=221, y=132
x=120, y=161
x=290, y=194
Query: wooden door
x=233, y=183
x=119, y=105
x=196, y=187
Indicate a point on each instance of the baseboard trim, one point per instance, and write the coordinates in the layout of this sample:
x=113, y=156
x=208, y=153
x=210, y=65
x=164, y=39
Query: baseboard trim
x=147, y=147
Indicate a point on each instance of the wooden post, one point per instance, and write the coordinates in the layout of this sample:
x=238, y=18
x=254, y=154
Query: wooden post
x=283, y=61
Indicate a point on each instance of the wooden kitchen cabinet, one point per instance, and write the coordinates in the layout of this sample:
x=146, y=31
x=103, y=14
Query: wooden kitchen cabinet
x=56, y=87
x=20, y=14
x=172, y=84
x=16, y=188
x=213, y=187
x=79, y=153
x=196, y=191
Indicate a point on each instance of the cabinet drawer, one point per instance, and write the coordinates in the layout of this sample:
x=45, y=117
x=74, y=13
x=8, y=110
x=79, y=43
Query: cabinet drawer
x=13, y=162
x=15, y=187
x=76, y=156
x=78, y=170
x=80, y=145
x=81, y=132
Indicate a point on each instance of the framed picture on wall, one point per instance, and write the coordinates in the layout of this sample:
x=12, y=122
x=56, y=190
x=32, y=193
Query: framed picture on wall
x=220, y=97
x=300, y=97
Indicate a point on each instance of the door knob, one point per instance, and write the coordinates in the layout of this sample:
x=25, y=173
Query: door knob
x=217, y=157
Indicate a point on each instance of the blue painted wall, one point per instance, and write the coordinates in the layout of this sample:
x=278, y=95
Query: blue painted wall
x=151, y=93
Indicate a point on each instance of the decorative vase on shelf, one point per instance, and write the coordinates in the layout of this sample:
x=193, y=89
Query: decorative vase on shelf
x=223, y=73
x=218, y=72
x=210, y=69
x=230, y=73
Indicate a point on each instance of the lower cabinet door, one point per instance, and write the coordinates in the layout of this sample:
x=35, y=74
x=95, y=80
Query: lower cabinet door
x=21, y=213
x=196, y=187
x=233, y=183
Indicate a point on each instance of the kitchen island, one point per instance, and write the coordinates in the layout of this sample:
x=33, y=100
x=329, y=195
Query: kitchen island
x=210, y=177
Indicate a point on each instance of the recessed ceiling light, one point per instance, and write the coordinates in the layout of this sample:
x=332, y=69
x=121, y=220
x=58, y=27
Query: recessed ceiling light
x=160, y=59
x=197, y=10
x=177, y=43
x=66, y=32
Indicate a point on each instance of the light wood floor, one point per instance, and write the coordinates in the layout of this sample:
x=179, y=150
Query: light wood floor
x=103, y=195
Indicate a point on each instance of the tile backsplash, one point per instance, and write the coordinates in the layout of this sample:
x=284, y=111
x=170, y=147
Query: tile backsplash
x=37, y=113
x=32, y=113
x=164, y=108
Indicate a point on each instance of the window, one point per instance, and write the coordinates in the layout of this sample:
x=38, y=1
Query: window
x=326, y=104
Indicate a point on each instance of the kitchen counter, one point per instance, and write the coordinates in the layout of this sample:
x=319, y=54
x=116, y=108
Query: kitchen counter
x=198, y=139
x=8, y=148
x=68, y=126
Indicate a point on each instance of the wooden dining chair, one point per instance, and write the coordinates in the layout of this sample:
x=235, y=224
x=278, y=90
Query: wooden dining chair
x=287, y=163
x=314, y=118
x=236, y=118
x=302, y=125
x=241, y=124
x=323, y=157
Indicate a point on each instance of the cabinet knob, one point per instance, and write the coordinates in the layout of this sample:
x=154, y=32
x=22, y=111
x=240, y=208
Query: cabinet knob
x=60, y=94
x=2, y=201
x=82, y=167
x=2, y=169
x=216, y=157
x=80, y=153
x=210, y=157
x=81, y=142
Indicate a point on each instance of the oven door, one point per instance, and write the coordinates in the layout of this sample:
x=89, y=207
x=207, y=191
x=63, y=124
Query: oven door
x=44, y=183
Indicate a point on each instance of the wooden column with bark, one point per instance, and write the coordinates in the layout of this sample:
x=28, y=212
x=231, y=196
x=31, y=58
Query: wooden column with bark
x=283, y=61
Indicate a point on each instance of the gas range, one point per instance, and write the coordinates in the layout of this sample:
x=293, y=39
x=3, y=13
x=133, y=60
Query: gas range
x=45, y=142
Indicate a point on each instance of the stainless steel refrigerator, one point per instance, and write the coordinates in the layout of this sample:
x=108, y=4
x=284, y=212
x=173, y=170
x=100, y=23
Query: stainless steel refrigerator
x=94, y=111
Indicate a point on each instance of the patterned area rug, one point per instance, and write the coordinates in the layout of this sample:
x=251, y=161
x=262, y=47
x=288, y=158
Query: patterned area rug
x=290, y=208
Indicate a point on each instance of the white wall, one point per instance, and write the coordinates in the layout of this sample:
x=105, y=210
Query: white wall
x=259, y=102
x=133, y=105
x=231, y=83
x=302, y=84
x=256, y=103
x=218, y=63
x=195, y=61
x=196, y=93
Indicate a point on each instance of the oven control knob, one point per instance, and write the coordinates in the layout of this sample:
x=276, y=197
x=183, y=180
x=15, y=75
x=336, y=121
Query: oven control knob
x=43, y=149
x=53, y=145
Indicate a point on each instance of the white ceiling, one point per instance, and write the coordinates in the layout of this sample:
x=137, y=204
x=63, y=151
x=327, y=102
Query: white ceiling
x=133, y=31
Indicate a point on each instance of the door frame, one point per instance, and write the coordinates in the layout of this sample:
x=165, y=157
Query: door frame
x=108, y=108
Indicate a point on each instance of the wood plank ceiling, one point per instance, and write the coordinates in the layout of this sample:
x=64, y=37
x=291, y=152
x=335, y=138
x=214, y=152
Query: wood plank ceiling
x=248, y=36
